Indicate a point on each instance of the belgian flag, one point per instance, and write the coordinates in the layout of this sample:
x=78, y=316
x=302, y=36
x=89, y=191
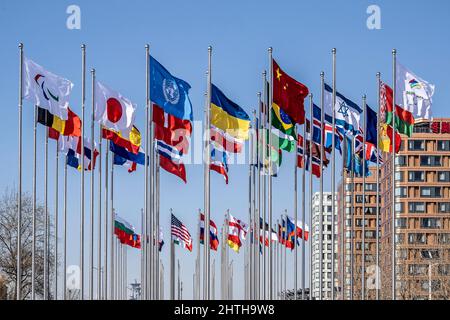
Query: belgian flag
x=69, y=127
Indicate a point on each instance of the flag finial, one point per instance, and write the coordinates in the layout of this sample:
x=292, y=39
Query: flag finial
x=209, y=48
x=147, y=46
x=322, y=74
x=20, y=45
x=83, y=46
x=270, y=49
x=394, y=51
x=333, y=51
x=378, y=74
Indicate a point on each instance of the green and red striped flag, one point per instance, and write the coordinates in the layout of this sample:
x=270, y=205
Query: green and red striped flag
x=404, y=120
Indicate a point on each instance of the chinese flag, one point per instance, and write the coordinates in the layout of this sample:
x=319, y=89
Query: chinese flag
x=289, y=94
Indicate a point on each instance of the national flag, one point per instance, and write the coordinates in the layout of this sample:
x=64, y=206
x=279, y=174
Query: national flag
x=228, y=116
x=45, y=89
x=385, y=141
x=272, y=154
x=112, y=110
x=71, y=146
x=69, y=127
x=347, y=113
x=283, y=135
x=224, y=141
x=125, y=233
x=354, y=160
x=237, y=231
x=404, y=119
x=290, y=233
x=300, y=229
x=170, y=159
x=264, y=231
x=119, y=161
x=289, y=94
x=219, y=162
x=213, y=234
x=413, y=93
x=180, y=234
x=314, y=154
x=169, y=92
x=371, y=131
x=124, y=153
x=129, y=139
x=338, y=138
x=161, y=240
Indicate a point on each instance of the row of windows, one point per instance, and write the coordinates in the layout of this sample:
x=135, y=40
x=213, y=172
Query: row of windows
x=425, y=192
x=420, y=207
x=419, y=176
x=425, y=223
x=419, y=145
x=425, y=161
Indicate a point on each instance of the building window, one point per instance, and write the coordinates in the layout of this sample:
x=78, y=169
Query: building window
x=400, y=207
x=444, y=176
x=401, y=192
x=417, y=238
x=430, y=192
x=416, y=207
x=400, y=223
x=399, y=176
x=443, y=145
x=416, y=145
x=429, y=254
x=430, y=223
x=371, y=187
x=444, y=207
x=418, y=269
x=416, y=176
x=401, y=161
x=430, y=161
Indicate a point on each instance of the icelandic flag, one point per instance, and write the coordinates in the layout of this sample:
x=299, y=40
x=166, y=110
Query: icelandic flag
x=169, y=92
x=338, y=137
x=347, y=113
x=219, y=162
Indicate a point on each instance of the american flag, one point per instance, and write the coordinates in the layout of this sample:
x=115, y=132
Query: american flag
x=180, y=233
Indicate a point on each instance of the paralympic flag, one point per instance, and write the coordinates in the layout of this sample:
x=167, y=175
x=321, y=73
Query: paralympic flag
x=169, y=92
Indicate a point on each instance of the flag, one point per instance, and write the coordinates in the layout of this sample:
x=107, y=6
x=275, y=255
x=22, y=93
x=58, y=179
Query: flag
x=119, y=161
x=264, y=230
x=290, y=233
x=283, y=137
x=71, y=146
x=213, y=235
x=170, y=159
x=228, y=116
x=300, y=229
x=385, y=141
x=180, y=234
x=224, y=141
x=219, y=162
x=45, y=89
x=347, y=113
x=354, y=160
x=112, y=110
x=237, y=231
x=413, y=93
x=289, y=94
x=169, y=92
x=124, y=153
x=272, y=154
x=69, y=127
x=161, y=240
x=371, y=131
x=338, y=138
x=314, y=154
x=404, y=119
x=129, y=139
x=125, y=233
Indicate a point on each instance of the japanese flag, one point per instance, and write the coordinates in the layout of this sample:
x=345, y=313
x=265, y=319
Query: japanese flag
x=113, y=110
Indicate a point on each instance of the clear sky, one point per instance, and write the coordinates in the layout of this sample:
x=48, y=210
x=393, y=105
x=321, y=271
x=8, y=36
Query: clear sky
x=302, y=34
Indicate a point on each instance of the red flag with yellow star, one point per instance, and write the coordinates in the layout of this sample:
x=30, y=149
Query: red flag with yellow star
x=289, y=94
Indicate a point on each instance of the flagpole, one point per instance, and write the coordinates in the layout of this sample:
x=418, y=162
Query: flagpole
x=264, y=202
x=363, y=235
x=304, y=193
x=56, y=221
x=143, y=241
x=296, y=218
x=393, y=218
x=352, y=223
x=270, y=174
x=65, y=232
x=33, y=250
x=146, y=183
x=377, y=255
x=46, y=251
x=105, y=252
x=197, y=263
x=248, y=252
x=256, y=227
x=322, y=104
x=254, y=250
x=311, y=213
x=285, y=267
x=113, y=220
x=99, y=249
x=343, y=219
x=206, y=271
x=157, y=202
x=83, y=99
x=333, y=178
x=150, y=190
x=91, y=251
x=277, y=272
x=172, y=265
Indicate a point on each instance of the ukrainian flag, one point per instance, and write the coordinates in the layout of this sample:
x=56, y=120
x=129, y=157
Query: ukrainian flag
x=228, y=116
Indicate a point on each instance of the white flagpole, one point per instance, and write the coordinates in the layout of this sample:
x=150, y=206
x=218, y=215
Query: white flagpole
x=106, y=233
x=99, y=248
x=264, y=201
x=333, y=181
x=393, y=216
x=65, y=232
x=91, y=240
x=311, y=212
x=304, y=193
x=296, y=216
x=19, y=191
x=343, y=219
x=270, y=269
x=83, y=99
x=322, y=105
x=172, y=265
x=197, y=262
x=363, y=236
x=143, y=240
x=112, y=240
x=46, y=237
x=33, y=250
x=150, y=190
x=352, y=223
x=206, y=271
x=144, y=281
x=248, y=247
x=377, y=255
x=157, y=202
x=257, y=218
x=56, y=221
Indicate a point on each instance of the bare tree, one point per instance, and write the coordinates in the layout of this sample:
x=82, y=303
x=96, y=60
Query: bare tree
x=8, y=245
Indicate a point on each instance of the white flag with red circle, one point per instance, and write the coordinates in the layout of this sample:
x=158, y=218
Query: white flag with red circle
x=113, y=110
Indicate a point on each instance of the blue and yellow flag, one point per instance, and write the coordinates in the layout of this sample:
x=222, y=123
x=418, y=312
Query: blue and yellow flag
x=228, y=116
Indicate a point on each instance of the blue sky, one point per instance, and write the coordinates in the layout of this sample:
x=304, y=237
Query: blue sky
x=302, y=34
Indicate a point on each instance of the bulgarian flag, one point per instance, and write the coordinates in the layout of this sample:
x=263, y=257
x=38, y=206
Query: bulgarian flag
x=404, y=120
x=125, y=233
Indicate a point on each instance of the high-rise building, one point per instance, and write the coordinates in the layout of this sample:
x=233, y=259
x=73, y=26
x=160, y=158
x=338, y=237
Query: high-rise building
x=326, y=246
x=422, y=207
x=350, y=248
